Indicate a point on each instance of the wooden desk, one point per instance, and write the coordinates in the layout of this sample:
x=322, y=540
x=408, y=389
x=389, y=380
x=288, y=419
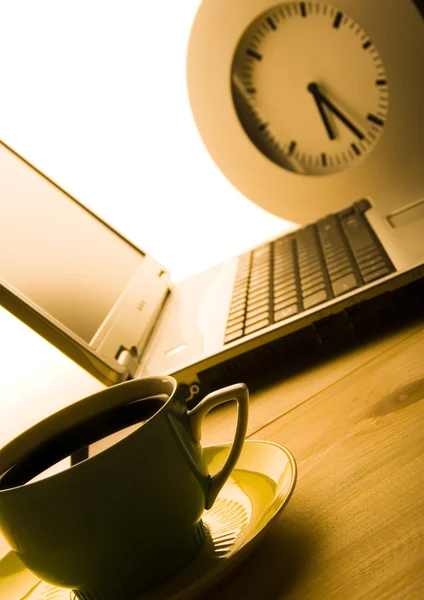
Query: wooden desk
x=354, y=528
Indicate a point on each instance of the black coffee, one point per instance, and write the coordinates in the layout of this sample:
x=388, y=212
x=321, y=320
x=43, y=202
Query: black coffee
x=102, y=430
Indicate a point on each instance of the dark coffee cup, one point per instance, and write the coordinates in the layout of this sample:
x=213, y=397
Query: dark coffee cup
x=128, y=517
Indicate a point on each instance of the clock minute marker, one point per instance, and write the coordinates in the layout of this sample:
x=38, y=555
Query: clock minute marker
x=337, y=20
x=375, y=119
x=292, y=148
x=303, y=9
x=252, y=53
x=355, y=149
x=271, y=23
x=324, y=159
x=366, y=44
x=381, y=82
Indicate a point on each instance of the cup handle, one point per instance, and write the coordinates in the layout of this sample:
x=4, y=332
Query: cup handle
x=240, y=394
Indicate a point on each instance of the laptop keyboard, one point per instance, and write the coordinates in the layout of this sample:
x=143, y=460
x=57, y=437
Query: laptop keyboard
x=303, y=269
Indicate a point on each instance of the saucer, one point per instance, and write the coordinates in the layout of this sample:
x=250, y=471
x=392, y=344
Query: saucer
x=257, y=490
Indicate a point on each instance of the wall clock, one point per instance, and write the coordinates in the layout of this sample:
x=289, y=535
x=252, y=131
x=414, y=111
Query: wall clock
x=309, y=106
x=309, y=88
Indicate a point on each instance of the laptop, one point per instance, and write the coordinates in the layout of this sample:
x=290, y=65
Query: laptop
x=114, y=309
x=356, y=262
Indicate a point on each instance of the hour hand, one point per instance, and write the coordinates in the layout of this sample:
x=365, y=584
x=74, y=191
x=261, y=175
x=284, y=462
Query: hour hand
x=313, y=88
x=321, y=99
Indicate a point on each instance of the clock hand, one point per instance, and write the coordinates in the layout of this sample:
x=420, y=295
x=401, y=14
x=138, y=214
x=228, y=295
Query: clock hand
x=313, y=88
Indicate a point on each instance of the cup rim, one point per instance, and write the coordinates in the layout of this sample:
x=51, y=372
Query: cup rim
x=73, y=415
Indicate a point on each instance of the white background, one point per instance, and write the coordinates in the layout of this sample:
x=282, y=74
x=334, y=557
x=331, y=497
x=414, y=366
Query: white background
x=94, y=94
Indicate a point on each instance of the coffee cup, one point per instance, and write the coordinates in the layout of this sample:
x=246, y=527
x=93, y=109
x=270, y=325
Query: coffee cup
x=128, y=516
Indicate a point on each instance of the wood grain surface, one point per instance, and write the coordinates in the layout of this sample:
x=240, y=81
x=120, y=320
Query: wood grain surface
x=354, y=528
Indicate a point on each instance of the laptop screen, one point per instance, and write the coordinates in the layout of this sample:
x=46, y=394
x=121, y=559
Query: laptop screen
x=56, y=252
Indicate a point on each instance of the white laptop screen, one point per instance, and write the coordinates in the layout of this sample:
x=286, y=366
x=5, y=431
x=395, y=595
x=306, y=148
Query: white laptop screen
x=57, y=253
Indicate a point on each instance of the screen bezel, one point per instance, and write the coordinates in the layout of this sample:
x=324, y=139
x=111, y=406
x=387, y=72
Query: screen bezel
x=99, y=355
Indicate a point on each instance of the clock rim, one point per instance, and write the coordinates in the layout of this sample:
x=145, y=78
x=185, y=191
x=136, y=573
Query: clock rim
x=381, y=176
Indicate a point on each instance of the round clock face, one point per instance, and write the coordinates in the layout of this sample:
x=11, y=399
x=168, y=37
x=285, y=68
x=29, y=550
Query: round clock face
x=309, y=88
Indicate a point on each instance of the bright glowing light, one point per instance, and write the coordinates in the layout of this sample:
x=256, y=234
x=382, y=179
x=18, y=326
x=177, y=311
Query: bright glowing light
x=94, y=94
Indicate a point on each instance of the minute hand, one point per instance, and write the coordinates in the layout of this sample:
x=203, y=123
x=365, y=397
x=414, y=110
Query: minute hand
x=339, y=114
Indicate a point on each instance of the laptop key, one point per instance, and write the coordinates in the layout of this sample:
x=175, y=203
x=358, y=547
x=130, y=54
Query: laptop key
x=259, y=284
x=334, y=252
x=285, y=292
x=262, y=310
x=259, y=270
x=240, y=283
x=284, y=279
x=336, y=263
x=309, y=261
x=235, y=314
x=233, y=328
x=256, y=318
x=312, y=290
x=235, y=321
x=357, y=231
x=306, y=279
x=341, y=272
x=314, y=299
x=311, y=270
x=285, y=313
x=284, y=282
x=374, y=267
x=252, y=305
x=259, y=295
x=367, y=253
x=285, y=303
x=312, y=284
x=283, y=259
x=370, y=260
x=238, y=296
x=230, y=337
x=236, y=306
x=376, y=274
x=256, y=326
x=286, y=265
x=344, y=284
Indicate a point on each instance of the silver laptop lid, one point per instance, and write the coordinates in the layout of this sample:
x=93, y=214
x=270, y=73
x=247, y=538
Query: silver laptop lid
x=71, y=277
x=260, y=72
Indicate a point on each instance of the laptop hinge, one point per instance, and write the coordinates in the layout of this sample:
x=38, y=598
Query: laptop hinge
x=128, y=358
